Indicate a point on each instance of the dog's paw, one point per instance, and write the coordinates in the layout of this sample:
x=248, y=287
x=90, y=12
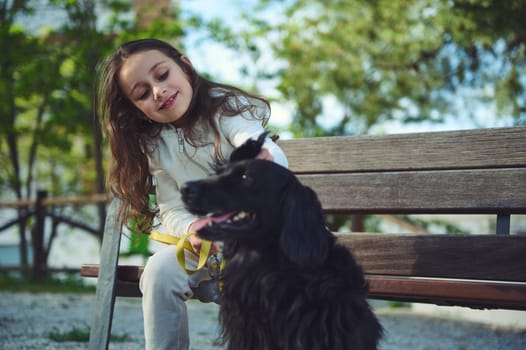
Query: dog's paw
x=250, y=149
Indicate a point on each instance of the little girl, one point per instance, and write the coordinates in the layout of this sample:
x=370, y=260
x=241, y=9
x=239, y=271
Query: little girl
x=167, y=125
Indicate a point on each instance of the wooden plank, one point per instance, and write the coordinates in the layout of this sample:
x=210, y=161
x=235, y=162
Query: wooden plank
x=19, y=269
x=78, y=200
x=125, y=273
x=127, y=284
x=488, y=257
x=106, y=286
x=128, y=289
x=455, y=191
x=129, y=273
x=470, y=293
x=466, y=149
x=89, y=270
x=482, y=257
x=479, y=294
x=59, y=201
x=475, y=294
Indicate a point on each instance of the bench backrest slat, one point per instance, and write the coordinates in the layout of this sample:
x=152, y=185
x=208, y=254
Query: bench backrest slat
x=460, y=191
x=470, y=149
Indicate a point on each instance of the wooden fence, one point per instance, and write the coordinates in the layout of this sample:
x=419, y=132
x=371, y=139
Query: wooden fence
x=40, y=209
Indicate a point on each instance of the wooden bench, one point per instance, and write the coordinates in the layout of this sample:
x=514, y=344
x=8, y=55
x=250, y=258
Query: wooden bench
x=459, y=172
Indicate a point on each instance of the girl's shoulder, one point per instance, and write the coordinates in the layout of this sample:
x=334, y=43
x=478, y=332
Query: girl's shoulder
x=238, y=97
x=239, y=103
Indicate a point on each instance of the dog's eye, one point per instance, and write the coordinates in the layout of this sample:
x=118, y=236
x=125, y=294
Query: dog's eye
x=247, y=180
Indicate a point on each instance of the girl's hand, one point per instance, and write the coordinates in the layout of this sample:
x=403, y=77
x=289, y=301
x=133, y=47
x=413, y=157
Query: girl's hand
x=196, y=241
x=265, y=154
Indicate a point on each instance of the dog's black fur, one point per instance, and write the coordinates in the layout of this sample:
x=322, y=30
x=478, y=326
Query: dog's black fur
x=287, y=284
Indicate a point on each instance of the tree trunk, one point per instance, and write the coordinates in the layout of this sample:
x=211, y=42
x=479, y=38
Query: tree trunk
x=357, y=223
x=39, y=255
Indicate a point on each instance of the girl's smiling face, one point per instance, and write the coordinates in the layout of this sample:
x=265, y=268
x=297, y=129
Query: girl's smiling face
x=156, y=85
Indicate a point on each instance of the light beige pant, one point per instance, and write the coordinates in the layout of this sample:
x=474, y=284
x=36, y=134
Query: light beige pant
x=165, y=287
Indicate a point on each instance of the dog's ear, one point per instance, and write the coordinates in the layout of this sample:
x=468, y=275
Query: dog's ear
x=250, y=149
x=304, y=239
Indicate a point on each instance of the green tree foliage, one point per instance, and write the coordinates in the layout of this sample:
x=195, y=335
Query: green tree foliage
x=49, y=133
x=50, y=51
x=408, y=61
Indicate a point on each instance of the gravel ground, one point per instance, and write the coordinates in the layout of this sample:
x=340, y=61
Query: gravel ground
x=26, y=321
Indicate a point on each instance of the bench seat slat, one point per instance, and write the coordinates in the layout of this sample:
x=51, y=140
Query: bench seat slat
x=125, y=273
x=438, y=256
x=475, y=294
x=481, y=148
x=459, y=191
x=479, y=294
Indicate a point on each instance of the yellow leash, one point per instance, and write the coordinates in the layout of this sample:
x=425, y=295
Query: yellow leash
x=182, y=243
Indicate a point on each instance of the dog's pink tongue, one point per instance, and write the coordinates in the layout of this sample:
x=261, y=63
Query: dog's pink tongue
x=222, y=218
x=200, y=223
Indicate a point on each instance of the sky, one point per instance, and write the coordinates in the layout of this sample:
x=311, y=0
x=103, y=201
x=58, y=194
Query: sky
x=224, y=64
x=207, y=55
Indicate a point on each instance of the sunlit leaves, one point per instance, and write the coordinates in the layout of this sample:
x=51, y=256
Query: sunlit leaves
x=67, y=68
x=50, y=50
x=384, y=60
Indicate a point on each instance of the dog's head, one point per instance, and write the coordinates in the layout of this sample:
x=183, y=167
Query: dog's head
x=261, y=203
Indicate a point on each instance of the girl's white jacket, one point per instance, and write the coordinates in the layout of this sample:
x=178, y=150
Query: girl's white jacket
x=173, y=162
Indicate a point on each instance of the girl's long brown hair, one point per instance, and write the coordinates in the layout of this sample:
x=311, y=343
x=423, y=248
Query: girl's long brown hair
x=129, y=132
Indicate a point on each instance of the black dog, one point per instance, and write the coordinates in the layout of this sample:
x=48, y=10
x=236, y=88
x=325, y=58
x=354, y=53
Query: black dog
x=287, y=283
